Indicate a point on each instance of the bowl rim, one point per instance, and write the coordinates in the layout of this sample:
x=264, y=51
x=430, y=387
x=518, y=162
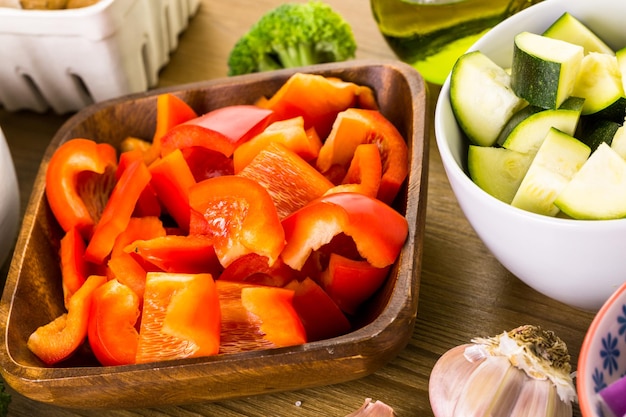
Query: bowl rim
x=583, y=358
x=452, y=167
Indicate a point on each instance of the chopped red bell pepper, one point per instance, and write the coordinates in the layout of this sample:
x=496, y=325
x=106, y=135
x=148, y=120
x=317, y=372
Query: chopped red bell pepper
x=118, y=211
x=290, y=180
x=239, y=122
x=59, y=339
x=147, y=204
x=191, y=254
x=206, y=163
x=254, y=269
x=351, y=282
x=364, y=173
x=74, y=269
x=79, y=179
x=377, y=229
x=125, y=267
x=112, y=332
x=239, y=215
x=257, y=317
x=180, y=319
x=171, y=180
x=187, y=135
x=354, y=127
x=321, y=317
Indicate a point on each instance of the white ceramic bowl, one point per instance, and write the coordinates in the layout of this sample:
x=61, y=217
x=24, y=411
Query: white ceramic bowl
x=9, y=201
x=602, y=358
x=580, y=263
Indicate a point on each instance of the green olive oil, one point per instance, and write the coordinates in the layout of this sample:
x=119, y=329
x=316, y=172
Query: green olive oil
x=432, y=34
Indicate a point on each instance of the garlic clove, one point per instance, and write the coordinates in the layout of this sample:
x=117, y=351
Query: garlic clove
x=536, y=400
x=523, y=372
x=445, y=389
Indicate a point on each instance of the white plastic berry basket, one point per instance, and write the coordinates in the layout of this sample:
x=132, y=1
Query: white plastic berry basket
x=68, y=59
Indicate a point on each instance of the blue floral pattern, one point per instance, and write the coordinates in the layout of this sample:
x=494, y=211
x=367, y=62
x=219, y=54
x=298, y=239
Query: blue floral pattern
x=621, y=320
x=610, y=353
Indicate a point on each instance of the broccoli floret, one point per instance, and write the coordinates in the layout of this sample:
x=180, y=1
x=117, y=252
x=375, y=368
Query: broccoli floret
x=293, y=35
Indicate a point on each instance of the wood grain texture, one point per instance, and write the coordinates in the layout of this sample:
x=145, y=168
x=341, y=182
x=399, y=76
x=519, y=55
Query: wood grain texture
x=464, y=291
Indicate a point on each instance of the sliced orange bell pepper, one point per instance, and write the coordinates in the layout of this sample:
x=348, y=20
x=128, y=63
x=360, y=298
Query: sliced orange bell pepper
x=112, y=332
x=290, y=133
x=74, y=269
x=180, y=319
x=257, y=317
x=316, y=98
x=364, y=173
x=171, y=179
x=351, y=282
x=118, y=211
x=171, y=111
x=290, y=180
x=354, y=127
x=77, y=183
x=191, y=254
x=321, y=317
x=377, y=230
x=57, y=340
x=239, y=215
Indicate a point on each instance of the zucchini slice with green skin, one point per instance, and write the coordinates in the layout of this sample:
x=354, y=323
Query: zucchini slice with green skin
x=598, y=190
x=498, y=171
x=557, y=160
x=529, y=133
x=544, y=70
x=599, y=82
x=481, y=97
x=597, y=131
x=618, y=144
x=569, y=29
x=620, y=55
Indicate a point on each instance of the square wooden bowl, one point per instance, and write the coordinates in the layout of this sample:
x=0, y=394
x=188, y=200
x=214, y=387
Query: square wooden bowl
x=33, y=294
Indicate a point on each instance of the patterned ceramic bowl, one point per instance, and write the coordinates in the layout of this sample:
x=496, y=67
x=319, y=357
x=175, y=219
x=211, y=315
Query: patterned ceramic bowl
x=602, y=357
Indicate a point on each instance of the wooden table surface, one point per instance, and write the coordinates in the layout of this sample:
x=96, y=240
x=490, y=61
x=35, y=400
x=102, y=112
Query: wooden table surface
x=464, y=291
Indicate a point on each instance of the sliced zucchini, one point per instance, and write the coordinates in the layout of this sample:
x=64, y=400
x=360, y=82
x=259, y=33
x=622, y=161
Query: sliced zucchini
x=529, y=133
x=569, y=29
x=620, y=55
x=618, y=144
x=498, y=171
x=595, y=132
x=481, y=97
x=557, y=160
x=598, y=190
x=599, y=82
x=515, y=120
x=544, y=70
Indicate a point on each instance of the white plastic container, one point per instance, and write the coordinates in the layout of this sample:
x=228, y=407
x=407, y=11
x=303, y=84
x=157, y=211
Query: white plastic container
x=9, y=201
x=68, y=59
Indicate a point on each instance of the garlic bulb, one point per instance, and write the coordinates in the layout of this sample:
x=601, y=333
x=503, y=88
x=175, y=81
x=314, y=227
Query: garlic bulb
x=521, y=373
